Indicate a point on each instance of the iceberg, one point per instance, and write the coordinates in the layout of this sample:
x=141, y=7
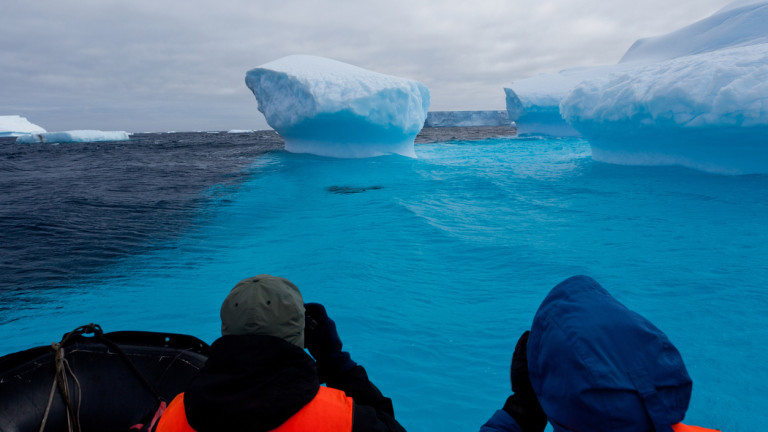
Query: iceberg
x=534, y=103
x=329, y=108
x=697, y=97
x=78, y=136
x=14, y=125
x=708, y=111
x=466, y=118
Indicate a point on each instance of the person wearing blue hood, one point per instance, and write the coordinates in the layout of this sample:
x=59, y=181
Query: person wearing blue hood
x=589, y=364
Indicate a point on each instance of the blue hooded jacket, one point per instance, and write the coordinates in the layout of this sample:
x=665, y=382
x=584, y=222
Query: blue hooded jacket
x=597, y=366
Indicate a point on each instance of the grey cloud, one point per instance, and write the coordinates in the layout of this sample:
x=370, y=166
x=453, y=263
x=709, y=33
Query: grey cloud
x=176, y=65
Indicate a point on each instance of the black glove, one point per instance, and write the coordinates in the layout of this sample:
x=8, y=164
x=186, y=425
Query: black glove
x=523, y=405
x=322, y=341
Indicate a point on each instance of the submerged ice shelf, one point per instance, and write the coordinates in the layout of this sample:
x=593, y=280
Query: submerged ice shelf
x=330, y=108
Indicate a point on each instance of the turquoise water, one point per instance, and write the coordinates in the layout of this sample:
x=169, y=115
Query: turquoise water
x=432, y=267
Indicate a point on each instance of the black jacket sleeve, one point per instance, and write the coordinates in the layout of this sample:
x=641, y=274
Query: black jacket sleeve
x=372, y=411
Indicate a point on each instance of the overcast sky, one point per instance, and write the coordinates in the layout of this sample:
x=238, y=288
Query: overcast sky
x=172, y=65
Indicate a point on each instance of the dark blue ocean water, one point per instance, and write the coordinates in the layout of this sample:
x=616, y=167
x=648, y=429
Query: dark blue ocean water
x=68, y=210
x=432, y=267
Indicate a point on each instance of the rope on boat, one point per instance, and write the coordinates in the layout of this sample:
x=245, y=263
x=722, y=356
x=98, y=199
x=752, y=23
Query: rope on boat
x=63, y=370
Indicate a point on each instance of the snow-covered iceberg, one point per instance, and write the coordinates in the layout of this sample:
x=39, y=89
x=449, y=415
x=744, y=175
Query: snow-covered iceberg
x=466, y=118
x=14, y=125
x=79, y=136
x=708, y=111
x=330, y=108
x=740, y=23
x=697, y=97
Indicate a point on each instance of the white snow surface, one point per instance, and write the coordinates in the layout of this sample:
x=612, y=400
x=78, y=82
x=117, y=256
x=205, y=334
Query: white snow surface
x=330, y=108
x=740, y=23
x=78, y=136
x=722, y=88
x=738, y=4
x=14, y=125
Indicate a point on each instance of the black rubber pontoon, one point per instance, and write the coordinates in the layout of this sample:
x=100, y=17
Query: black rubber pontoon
x=106, y=382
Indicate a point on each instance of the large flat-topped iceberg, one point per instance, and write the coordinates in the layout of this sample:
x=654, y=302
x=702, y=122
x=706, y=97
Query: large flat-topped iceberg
x=707, y=111
x=330, y=108
x=14, y=125
x=78, y=136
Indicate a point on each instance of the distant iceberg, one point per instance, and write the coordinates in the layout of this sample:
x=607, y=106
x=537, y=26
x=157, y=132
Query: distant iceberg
x=466, y=118
x=79, y=136
x=707, y=108
x=14, y=125
x=330, y=108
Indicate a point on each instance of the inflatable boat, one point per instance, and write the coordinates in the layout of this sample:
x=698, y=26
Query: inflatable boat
x=96, y=381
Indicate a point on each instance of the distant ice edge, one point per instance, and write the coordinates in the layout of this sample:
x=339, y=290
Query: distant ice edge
x=75, y=136
x=329, y=108
x=466, y=118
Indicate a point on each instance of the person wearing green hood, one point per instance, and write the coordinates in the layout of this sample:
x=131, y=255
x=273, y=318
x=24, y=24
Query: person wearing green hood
x=589, y=364
x=259, y=378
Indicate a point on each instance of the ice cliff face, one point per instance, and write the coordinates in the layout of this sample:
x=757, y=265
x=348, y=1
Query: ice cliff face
x=330, y=108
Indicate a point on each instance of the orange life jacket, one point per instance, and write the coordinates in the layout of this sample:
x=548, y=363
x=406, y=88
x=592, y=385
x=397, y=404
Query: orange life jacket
x=685, y=428
x=330, y=410
x=174, y=418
